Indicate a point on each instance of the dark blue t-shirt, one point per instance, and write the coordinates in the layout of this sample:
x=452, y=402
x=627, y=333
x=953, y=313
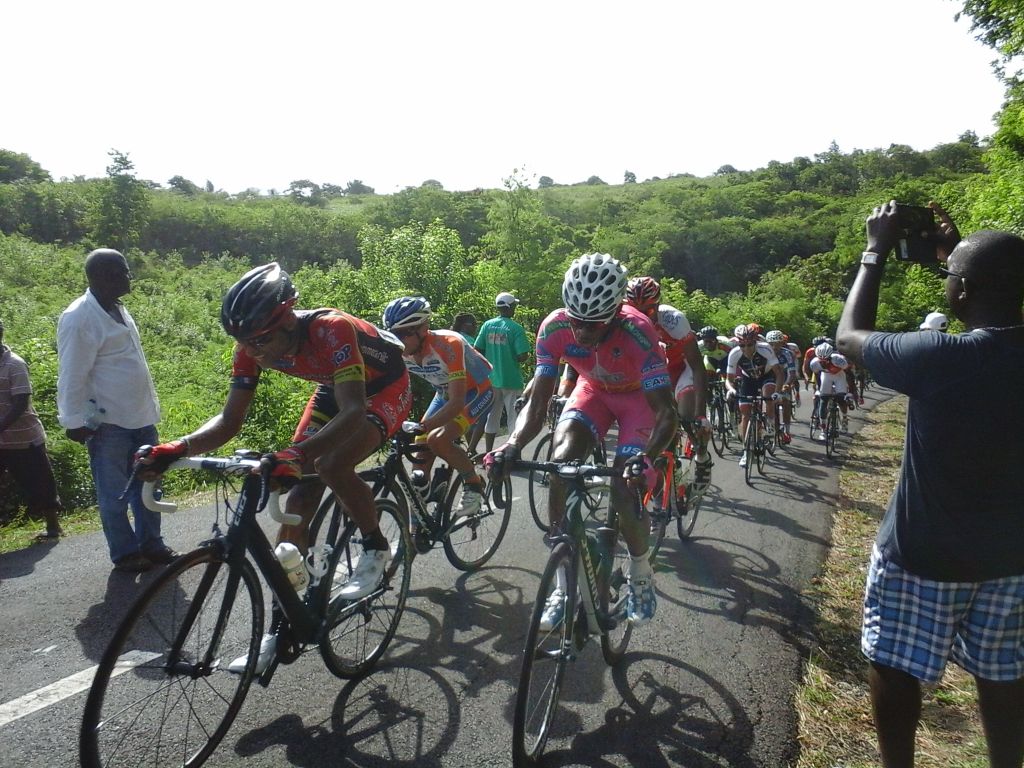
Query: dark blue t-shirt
x=957, y=513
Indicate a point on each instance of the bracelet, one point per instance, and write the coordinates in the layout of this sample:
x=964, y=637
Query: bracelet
x=188, y=445
x=869, y=257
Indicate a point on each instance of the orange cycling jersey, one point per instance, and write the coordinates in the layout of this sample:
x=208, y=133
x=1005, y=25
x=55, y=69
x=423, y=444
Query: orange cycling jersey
x=335, y=347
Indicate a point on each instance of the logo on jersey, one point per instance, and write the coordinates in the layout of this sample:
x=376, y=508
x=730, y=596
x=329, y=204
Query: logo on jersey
x=341, y=355
x=656, y=382
x=637, y=335
x=575, y=350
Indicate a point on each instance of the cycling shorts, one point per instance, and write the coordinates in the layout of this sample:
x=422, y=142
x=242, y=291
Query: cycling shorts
x=684, y=383
x=478, y=403
x=386, y=410
x=916, y=625
x=597, y=410
x=750, y=387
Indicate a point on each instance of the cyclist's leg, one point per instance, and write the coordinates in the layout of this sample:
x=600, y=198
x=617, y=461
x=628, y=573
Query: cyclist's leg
x=686, y=405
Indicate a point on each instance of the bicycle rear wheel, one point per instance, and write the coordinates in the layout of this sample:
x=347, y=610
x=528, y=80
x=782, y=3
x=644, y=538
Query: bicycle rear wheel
x=765, y=445
x=611, y=590
x=750, y=448
x=539, y=483
x=357, y=632
x=544, y=659
x=162, y=694
x=472, y=540
x=687, y=505
x=831, y=430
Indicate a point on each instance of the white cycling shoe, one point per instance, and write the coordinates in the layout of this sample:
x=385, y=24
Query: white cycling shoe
x=267, y=647
x=367, y=574
x=554, y=610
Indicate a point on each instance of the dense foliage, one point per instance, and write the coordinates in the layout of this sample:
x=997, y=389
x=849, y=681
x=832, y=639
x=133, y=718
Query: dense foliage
x=778, y=245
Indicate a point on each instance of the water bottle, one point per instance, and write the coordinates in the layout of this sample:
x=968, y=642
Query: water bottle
x=94, y=416
x=291, y=559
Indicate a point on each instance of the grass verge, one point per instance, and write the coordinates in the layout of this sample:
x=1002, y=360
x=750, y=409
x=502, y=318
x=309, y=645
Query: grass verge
x=833, y=706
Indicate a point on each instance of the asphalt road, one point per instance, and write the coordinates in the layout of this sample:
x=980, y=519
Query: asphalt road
x=709, y=683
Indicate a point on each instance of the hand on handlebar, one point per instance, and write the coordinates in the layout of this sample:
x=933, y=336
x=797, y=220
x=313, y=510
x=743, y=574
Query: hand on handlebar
x=285, y=466
x=151, y=461
x=498, y=463
x=633, y=471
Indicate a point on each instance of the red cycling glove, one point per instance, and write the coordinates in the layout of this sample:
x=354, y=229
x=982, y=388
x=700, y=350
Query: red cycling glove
x=159, y=457
x=287, y=465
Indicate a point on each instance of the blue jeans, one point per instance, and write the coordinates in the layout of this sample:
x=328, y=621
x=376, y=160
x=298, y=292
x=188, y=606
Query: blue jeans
x=110, y=456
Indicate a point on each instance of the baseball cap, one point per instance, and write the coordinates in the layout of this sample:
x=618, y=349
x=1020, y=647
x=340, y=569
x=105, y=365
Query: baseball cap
x=935, y=321
x=505, y=299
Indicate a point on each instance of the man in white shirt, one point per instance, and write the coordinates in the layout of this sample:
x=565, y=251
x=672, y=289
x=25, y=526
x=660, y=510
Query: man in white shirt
x=106, y=400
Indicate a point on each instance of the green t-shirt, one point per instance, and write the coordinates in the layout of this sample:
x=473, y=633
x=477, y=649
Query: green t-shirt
x=502, y=340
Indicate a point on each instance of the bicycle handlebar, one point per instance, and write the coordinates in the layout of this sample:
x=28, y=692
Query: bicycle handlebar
x=568, y=469
x=226, y=466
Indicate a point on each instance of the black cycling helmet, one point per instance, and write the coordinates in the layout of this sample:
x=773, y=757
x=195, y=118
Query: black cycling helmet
x=708, y=332
x=258, y=302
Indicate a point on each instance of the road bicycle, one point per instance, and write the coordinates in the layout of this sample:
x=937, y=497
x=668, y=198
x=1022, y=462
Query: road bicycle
x=469, y=541
x=830, y=404
x=589, y=553
x=538, y=484
x=759, y=439
x=673, y=496
x=723, y=428
x=163, y=693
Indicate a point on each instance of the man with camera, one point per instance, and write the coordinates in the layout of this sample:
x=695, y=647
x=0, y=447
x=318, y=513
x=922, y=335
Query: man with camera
x=946, y=578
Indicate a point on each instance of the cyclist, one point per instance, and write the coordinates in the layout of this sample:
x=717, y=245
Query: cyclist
x=830, y=367
x=758, y=369
x=462, y=389
x=361, y=398
x=777, y=341
x=809, y=379
x=685, y=366
x=715, y=351
x=794, y=349
x=623, y=377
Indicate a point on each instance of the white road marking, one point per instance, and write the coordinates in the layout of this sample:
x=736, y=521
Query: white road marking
x=45, y=650
x=69, y=686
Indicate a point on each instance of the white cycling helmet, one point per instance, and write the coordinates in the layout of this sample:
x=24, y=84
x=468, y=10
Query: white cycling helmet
x=594, y=287
x=824, y=351
x=774, y=337
x=935, y=321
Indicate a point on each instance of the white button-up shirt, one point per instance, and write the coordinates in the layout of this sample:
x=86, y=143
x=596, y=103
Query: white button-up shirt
x=102, y=360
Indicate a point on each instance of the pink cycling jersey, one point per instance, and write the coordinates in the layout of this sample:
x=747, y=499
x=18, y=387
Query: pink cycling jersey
x=613, y=376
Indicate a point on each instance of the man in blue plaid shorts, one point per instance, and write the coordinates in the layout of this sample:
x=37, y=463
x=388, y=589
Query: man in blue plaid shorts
x=946, y=579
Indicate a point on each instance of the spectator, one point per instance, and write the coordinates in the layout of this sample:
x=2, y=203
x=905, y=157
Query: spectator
x=106, y=400
x=935, y=321
x=503, y=342
x=465, y=324
x=946, y=579
x=23, y=443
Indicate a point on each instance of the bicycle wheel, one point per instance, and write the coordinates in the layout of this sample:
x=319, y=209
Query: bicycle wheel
x=472, y=540
x=162, y=694
x=611, y=591
x=659, y=519
x=687, y=504
x=719, y=430
x=750, y=448
x=544, y=660
x=540, y=483
x=831, y=430
x=357, y=632
x=764, y=447
x=768, y=436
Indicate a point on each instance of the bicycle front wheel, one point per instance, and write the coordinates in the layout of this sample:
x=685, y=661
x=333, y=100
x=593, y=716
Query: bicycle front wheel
x=544, y=660
x=719, y=429
x=540, y=483
x=831, y=431
x=357, y=632
x=162, y=694
x=765, y=445
x=473, y=539
x=750, y=448
x=687, y=503
x=611, y=590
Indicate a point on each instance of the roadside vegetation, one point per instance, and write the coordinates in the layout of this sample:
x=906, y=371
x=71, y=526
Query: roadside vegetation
x=836, y=727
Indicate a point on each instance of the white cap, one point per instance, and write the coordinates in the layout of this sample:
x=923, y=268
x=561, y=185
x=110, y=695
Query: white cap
x=935, y=321
x=505, y=300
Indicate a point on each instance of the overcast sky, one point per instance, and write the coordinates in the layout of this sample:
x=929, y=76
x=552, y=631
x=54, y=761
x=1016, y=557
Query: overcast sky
x=254, y=94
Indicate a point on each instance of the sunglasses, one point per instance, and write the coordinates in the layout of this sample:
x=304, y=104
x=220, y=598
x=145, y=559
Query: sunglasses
x=587, y=325
x=260, y=341
x=404, y=332
x=946, y=273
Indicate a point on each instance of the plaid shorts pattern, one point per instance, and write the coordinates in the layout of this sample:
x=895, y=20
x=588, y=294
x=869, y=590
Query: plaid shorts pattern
x=916, y=625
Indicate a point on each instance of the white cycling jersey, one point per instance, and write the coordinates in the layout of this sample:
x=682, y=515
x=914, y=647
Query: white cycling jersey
x=833, y=372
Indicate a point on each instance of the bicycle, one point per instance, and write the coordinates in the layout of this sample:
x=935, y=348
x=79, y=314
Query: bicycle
x=469, y=541
x=594, y=563
x=758, y=441
x=537, y=485
x=672, y=497
x=163, y=692
x=831, y=426
x=720, y=416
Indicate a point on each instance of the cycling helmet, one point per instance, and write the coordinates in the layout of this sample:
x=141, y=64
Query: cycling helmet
x=935, y=321
x=755, y=328
x=258, y=302
x=644, y=293
x=817, y=340
x=593, y=287
x=405, y=312
x=708, y=332
x=823, y=351
x=774, y=337
x=745, y=333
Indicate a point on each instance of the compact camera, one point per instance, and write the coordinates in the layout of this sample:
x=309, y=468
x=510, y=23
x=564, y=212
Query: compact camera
x=918, y=234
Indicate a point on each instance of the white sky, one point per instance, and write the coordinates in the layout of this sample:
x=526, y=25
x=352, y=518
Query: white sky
x=257, y=94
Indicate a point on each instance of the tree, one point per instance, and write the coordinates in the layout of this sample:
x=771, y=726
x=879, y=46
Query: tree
x=725, y=170
x=306, y=192
x=432, y=184
x=209, y=187
x=16, y=166
x=183, y=186
x=357, y=187
x=629, y=178
x=544, y=182
x=122, y=205
x=594, y=180
x=331, y=190
x=999, y=25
